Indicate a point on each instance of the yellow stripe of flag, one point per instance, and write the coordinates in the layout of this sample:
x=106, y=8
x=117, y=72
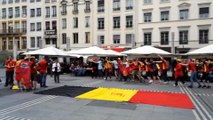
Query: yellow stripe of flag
x=109, y=94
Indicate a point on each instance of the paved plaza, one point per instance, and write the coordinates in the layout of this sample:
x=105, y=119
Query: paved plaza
x=15, y=105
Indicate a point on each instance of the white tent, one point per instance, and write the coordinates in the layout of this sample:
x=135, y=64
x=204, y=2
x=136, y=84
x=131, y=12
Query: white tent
x=146, y=50
x=202, y=51
x=114, y=53
x=91, y=51
x=49, y=51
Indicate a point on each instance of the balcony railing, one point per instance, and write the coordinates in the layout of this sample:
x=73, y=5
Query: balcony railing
x=12, y=31
x=75, y=11
x=63, y=12
x=88, y=10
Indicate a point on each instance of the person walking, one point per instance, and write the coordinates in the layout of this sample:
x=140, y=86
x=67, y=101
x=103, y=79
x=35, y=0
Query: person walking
x=193, y=71
x=43, y=72
x=56, y=68
x=178, y=72
x=10, y=65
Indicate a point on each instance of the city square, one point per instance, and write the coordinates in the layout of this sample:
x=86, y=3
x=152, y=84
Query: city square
x=106, y=59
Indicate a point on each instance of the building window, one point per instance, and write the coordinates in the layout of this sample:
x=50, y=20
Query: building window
x=47, y=24
x=32, y=12
x=164, y=15
x=100, y=23
x=75, y=24
x=116, y=5
x=87, y=5
x=75, y=38
x=129, y=4
x=75, y=6
x=4, y=1
x=54, y=25
x=24, y=27
x=101, y=39
x=10, y=1
x=47, y=12
x=129, y=38
x=38, y=12
x=54, y=14
x=164, y=1
x=32, y=1
x=38, y=42
x=116, y=22
x=32, y=42
x=17, y=27
x=147, y=1
x=10, y=27
x=87, y=21
x=4, y=13
x=10, y=12
x=184, y=14
x=32, y=26
x=203, y=36
x=47, y=41
x=24, y=42
x=148, y=17
x=64, y=38
x=100, y=5
x=24, y=11
x=47, y=1
x=164, y=38
x=64, y=9
x=116, y=39
x=4, y=27
x=204, y=12
x=183, y=37
x=87, y=37
x=38, y=26
x=129, y=21
x=148, y=38
x=64, y=23
x=10, y=45
x=17, y=12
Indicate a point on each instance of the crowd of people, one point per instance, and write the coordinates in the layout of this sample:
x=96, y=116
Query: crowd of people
x=155, y=70
x=29, y=71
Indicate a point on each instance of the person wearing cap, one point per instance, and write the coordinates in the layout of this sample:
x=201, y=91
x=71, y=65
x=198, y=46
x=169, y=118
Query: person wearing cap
x=178, y=72
x=193, y=71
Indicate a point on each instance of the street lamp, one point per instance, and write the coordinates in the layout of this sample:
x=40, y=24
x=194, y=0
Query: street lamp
x=15, y=43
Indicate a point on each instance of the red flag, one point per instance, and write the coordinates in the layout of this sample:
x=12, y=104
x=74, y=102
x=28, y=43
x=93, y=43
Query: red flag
x=25, y=74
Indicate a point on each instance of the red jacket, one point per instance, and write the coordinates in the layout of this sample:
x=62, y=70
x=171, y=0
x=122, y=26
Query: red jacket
x=178, y=70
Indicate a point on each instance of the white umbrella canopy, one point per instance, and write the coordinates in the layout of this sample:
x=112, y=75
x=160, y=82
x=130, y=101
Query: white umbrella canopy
x=92, y=51
x=146, y=50
x=114, y=53
x=48, y=51
x=202, y=51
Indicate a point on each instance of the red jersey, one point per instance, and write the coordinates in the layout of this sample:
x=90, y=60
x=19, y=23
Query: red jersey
x=178, y=70
x=205, y=67
x=43, y=66
x=192, y=67
x=165, y=65
x=10, y=65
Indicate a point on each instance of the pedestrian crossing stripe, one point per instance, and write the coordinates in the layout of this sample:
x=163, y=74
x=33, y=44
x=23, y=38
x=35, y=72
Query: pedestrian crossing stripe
x=12, y=118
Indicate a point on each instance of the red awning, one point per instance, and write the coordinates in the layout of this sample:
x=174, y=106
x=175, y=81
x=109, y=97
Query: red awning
x=115, y=49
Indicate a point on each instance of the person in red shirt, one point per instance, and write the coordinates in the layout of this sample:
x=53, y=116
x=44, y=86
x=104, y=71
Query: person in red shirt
x=178, y=72
x=10, y=65
x=193, y=77
x=206, y=69
x=43, y=72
